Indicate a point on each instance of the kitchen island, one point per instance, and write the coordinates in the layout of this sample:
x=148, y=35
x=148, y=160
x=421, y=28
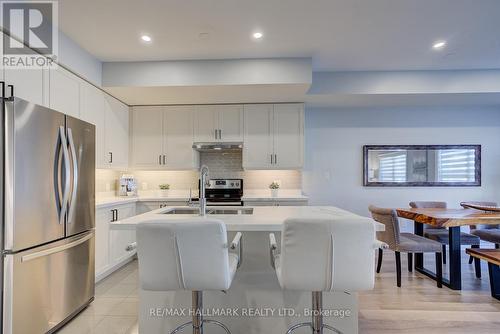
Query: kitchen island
x=257, y=303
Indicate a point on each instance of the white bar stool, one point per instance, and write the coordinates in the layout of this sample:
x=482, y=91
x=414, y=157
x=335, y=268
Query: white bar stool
x=187, y=254
x=324, y=254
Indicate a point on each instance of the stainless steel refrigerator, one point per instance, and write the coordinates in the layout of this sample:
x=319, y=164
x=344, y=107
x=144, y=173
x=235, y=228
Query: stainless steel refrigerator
x=48, y=175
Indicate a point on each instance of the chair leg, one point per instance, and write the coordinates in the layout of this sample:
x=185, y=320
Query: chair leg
x=444, y=254
x=471, y=259
x=410, y=262
x=379, y=260
x=398, y=268
x=477, y=263
x=439, y=270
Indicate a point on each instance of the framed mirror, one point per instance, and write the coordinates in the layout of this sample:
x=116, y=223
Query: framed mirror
x=421, y=165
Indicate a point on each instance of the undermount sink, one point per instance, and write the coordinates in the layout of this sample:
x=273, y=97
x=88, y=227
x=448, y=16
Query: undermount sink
x=210, y=211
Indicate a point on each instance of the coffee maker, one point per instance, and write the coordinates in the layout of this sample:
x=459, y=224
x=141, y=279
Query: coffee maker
x=127, y=185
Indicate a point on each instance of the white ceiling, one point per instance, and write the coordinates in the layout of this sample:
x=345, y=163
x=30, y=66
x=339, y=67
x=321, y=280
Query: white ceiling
x=339, y=35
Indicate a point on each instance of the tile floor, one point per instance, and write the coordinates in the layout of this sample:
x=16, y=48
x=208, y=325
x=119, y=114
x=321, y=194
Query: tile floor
x=114, y=310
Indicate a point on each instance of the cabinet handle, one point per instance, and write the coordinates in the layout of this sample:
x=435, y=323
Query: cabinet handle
x=220, y=134
x=110, y=157
x=215, y=133
x=114, y=215
x=271, y=159
x=159, y=159
x=275, y=159
x=164, y=159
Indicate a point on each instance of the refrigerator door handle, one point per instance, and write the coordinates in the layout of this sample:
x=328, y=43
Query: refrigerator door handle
x=56, y=249
x=75, y=174
x=64, y=203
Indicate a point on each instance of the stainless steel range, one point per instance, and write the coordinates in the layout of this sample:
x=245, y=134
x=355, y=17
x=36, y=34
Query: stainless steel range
x=224, y=192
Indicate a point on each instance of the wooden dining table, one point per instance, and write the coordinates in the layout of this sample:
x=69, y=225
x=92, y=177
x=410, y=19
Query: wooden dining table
x=452, y=219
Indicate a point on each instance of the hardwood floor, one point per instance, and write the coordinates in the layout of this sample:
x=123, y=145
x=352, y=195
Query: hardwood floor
x=420, y=307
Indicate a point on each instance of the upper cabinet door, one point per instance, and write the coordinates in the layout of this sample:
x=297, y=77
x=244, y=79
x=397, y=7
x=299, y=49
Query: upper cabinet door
x=64, y=92
x=205, y=124
x=147, y=137
x=116, y=132
x=230, y=122
x=288, y=128
x=92, y=111
x=178, y=138
x=257, y=147
x=28, y=84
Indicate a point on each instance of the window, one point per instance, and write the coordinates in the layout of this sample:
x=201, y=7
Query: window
x=456, y=165
x=392, y=167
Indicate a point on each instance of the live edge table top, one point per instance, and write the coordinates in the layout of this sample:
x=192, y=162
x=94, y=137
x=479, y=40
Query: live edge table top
x=449, y=217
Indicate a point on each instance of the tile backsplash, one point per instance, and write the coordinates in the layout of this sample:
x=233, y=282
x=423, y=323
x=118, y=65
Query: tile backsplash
x=221, y=164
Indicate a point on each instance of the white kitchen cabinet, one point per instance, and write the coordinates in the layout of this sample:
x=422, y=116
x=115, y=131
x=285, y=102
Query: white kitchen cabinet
x=92, y=111
x=116, y=132
x=258, y=141
x=178, y=138
x=64, y=92
x=110, y=245
x=288, y=136
x=218, y=123
x=274, y=136
x=120, y=239
x=30, y=85
x=102, y=219
x=162, y=138
x=205, y=124
x=230, y=119
x=147, y=137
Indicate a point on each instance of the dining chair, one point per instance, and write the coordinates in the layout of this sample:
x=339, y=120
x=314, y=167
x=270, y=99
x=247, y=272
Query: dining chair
x=440, y=234
x=404, y=243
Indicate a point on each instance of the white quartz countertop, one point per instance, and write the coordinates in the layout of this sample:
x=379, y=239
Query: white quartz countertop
x=262, y=219
x=183, y=196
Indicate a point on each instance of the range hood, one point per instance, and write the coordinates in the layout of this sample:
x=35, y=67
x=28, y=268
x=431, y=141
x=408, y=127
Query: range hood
x=213, y=146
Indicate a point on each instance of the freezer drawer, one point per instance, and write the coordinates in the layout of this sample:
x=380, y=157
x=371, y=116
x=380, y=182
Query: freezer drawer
x=46, y=285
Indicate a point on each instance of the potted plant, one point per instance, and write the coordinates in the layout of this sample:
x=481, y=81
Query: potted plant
x=164, y=189
x=274, y=186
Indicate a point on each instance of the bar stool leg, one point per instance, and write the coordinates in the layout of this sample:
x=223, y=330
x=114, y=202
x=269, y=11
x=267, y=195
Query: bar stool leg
x=198, y=321
x=197, y=305
x=317, y=318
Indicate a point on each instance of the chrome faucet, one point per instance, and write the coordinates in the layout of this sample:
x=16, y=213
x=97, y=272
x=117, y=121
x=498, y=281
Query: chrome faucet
x=203, y=183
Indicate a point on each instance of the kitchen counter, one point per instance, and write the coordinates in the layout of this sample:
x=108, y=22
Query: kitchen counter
x=263, y=219
x=263, y=195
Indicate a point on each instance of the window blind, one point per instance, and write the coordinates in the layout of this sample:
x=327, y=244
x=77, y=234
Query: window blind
x=456, y=165
x=393, y=167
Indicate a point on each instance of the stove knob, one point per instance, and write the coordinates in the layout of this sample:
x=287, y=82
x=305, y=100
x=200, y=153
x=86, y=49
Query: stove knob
x=232, y=184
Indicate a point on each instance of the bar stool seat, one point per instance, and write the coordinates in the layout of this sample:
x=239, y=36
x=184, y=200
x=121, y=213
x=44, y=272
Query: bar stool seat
x=187, y=254
x=324, y=254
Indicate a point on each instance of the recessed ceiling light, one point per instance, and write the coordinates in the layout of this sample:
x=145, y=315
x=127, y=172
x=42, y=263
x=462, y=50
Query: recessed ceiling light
x=439, y=45
x=257, y=35
x=146, y=38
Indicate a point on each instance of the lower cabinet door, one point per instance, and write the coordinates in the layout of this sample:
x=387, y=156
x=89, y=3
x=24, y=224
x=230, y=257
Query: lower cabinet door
x=45, y=285
x=102, y=219
x=120, y=239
